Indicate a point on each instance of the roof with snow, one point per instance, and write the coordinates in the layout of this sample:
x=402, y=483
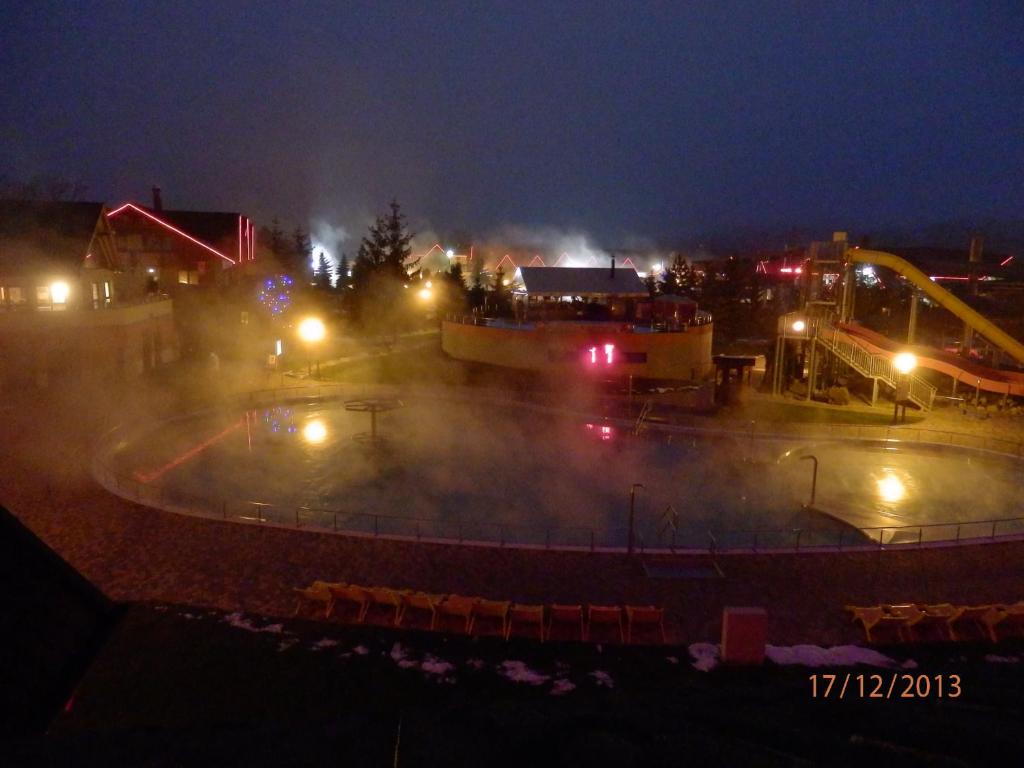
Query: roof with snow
x=582, y=281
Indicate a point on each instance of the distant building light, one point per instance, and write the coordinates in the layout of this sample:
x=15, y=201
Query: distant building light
x=798, y=326
x=151, y=270
x=451, y=253
x=59, y=292
x=278, y=348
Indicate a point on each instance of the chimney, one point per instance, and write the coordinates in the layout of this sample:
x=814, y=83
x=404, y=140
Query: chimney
x=611, y=274
x=158, y=203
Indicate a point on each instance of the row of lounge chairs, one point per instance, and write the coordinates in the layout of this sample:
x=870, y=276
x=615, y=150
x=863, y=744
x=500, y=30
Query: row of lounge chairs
x=943, y=622
x=476, y=616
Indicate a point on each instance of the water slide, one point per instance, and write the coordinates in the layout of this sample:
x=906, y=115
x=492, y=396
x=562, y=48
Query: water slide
x=944, y=298
x=967, y=373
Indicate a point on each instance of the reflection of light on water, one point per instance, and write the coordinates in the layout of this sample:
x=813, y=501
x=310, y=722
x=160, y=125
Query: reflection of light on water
x=891, y=488
x=314, y=432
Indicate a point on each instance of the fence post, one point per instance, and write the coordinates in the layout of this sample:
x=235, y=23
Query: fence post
x=880, y=532
x=994, y=523
x=920, y=534
x=958, y=533
x=799, y=533
x=841, y=532
x=296, y=517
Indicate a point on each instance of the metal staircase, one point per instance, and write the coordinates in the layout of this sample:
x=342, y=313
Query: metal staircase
x=872, y=365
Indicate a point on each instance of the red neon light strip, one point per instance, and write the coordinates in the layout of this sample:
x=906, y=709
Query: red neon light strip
x=239, y=238
x=628, y=261
x=1006, y=261
x=506, y=256
x=147, y=477
x=174, y=229
x=536, y=257
x=561, y=258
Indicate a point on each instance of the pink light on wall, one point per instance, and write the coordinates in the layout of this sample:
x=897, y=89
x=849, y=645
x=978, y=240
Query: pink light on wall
x=628, y=263
x=534, y=261
x=172, y=228
x=505, y=258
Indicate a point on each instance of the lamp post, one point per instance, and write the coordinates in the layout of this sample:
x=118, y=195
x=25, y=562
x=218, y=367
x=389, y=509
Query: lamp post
x=312, y=331
x=814, y=477
x=631, y=542
x=904, y=363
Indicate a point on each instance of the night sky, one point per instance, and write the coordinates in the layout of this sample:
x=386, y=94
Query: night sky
x=592, y=117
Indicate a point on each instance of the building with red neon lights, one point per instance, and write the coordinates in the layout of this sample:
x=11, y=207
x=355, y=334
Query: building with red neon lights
x=69, y=307
x=183, y=250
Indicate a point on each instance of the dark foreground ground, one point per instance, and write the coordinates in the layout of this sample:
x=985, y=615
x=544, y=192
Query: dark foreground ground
x=175, y=685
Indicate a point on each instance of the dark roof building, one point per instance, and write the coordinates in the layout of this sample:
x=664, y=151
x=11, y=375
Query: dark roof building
x=585, y=282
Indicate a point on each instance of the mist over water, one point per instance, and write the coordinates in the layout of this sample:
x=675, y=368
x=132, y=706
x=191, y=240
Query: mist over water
x=509, y=472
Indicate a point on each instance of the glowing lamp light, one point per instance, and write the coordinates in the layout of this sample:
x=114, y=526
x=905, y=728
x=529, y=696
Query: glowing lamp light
x=425, y=294
x=59, y=292
x=905, y=362
x=891, y=488
x=429, y=284
x=450, y=253
x=314, y=432
x=799, y=326
x=312, y=329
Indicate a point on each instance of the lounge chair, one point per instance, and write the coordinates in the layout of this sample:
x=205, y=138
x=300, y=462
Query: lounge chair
x=454, y=611
x=881, y=627
x=421, y=605
x=525, y=621
x=565, y=622
x=486, y=614
x=645, y=619
x=317, y=594
x=385, y=606
x=975, y=623
x=607, y=620
x=349, y=602
x=931, y=623
x=1008, y=621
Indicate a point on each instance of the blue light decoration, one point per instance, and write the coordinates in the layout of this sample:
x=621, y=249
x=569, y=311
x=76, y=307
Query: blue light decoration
x=275, y=293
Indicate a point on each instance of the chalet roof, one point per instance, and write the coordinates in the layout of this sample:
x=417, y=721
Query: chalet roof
x=210, y=226
x=582, y=281
x=37, y=235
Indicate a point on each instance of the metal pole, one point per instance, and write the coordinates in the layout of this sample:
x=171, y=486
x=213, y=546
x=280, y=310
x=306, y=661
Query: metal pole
x=814, y=477
x=632, y=517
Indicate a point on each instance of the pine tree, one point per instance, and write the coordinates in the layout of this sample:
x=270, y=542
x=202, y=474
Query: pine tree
x=324, y=273
x=381, y=269
x=344, y=278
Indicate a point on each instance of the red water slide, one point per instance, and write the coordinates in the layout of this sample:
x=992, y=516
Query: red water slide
x=966, y=373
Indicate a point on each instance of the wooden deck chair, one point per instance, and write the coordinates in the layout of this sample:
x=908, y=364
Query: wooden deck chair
x=384, y=607
x=931, y=624
x=974, y=623
x=454, y=611
x=317, y=595
x=645, y=619
x=880, y=627
x=349, y=602
x=525, y=621
x=607, y=620
x=565, y=622
x=418, y=608
x=489, y=617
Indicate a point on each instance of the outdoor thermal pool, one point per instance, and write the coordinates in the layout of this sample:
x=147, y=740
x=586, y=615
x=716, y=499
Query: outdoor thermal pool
x=513, y=474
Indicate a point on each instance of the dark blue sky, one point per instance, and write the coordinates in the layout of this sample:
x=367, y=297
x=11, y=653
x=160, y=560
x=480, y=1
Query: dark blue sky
x=617, y=119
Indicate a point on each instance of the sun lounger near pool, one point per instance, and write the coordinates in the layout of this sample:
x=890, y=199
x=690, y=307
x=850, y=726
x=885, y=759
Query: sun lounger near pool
x=317, y=594
x=646, y=618
x=604, y=618
x=485, y=614
x=351, y=600
x=565, y=622
x=525, y=621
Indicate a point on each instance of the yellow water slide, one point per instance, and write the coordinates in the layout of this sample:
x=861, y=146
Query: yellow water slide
x=944, y=298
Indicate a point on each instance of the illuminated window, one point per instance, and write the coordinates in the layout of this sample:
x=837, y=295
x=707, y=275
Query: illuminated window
x=108, y=292
x=183, y=277
x=15, y=295
x=43, y=297
x=3, y=296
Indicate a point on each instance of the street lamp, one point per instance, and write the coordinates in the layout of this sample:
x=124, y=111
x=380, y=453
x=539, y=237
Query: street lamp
x=312, y=331
x=904, y=363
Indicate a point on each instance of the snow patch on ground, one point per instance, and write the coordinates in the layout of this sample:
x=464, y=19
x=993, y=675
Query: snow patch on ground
x=361, y=650
x=705, y=656
x=562, y=686
x=284, y=645
x=672, y=659
x=518, y=672
x=435, y=666
x=603, y=679
x=838, y=656
x=324, y=643
x=994, y=659
x=238, y=621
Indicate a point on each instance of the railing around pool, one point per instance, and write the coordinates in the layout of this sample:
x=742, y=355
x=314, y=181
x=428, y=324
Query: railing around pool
x=593, y=539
